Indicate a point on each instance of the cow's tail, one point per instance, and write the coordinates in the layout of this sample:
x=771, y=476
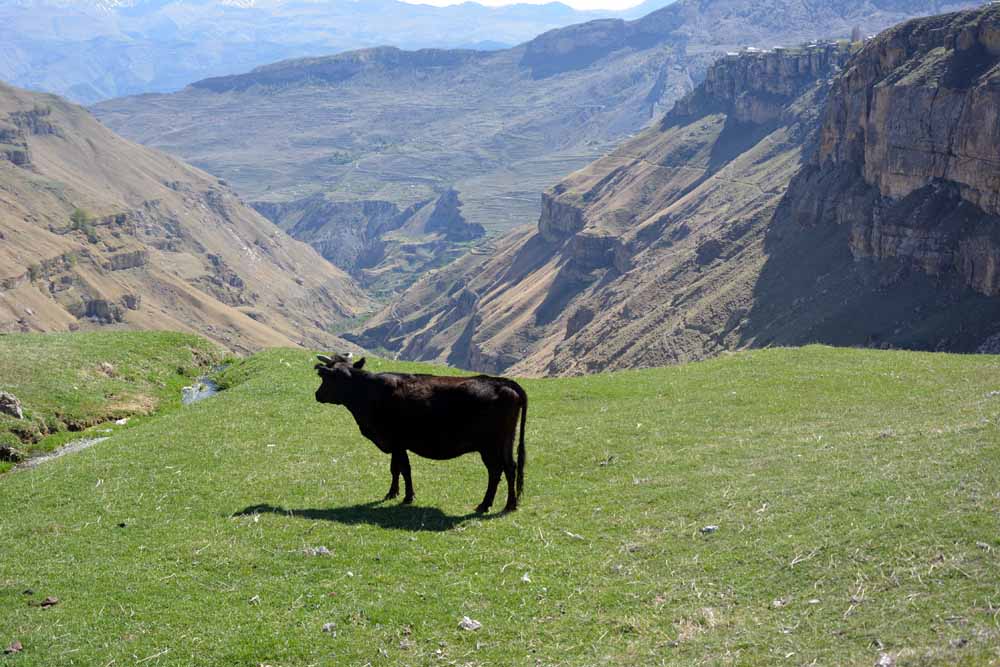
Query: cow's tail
x=519, y=484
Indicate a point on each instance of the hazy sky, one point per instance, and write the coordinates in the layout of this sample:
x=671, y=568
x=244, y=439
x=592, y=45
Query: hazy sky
x=578, y=4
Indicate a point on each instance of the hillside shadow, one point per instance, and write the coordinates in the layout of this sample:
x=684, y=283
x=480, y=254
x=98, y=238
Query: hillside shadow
x=812, y=289
x=395, y=516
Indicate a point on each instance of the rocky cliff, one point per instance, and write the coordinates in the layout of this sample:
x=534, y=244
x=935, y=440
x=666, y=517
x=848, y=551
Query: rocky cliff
x=754, y=86
x=96, y=231
x=811, y=194
x=909, y=153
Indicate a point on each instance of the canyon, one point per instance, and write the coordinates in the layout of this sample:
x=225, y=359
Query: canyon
x=839, y=193
x=497, y=127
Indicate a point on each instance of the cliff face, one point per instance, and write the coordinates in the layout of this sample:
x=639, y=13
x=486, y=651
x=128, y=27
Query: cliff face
x=385, y=249
x=909, y=152
x=754, y=86
x=832, y=194
x=97, y=231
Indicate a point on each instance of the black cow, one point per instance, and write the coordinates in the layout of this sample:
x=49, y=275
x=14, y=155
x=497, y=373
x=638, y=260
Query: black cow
x=433, y=416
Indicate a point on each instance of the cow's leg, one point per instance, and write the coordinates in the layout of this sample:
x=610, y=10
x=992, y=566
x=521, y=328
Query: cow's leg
x=394, y=487
x=495, y=469
x=404, y=467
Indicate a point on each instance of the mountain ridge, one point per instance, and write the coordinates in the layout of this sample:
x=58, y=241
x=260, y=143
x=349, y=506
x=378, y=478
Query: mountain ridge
x=89, y=51
x=728, y=225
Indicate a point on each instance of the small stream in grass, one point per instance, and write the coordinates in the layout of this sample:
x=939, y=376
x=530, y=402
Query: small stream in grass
x=204, y=387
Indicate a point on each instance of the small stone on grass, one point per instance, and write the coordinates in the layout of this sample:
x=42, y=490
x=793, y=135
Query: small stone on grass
x=317, y=551
x=469, y=624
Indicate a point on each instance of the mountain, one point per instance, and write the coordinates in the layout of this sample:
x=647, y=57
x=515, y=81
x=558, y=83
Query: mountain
x=378, y=244
x=97, y=232
x=500, y=127
x=90, y=50
x=797, y=195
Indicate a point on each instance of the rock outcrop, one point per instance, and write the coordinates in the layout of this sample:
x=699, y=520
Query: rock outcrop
x=755, y=86
x=382, y=247
x=909, y=151
x=10, y=405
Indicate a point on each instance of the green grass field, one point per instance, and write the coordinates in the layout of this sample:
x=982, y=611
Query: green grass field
x=856, y=494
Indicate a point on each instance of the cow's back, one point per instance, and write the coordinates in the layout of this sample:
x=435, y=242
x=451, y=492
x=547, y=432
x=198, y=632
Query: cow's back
x=440, y=416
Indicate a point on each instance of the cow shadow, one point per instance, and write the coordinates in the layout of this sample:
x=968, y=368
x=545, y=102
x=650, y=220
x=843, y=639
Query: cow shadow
x=393, y=516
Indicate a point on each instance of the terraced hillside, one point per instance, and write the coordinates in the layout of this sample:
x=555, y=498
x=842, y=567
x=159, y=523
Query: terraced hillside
x=96, y=231
x=852, y=494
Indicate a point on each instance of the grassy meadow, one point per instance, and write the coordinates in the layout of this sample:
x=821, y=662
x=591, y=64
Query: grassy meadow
x=856, y=495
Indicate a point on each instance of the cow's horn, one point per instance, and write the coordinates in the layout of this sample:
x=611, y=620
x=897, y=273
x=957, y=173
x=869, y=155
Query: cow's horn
x=349, y=355
x=325, y=359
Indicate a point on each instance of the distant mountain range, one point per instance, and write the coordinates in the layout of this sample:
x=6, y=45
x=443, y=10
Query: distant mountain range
x=89, y=50
x=396, y=127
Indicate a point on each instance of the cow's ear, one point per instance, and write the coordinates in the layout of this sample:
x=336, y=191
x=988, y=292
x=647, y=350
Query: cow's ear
x=360, y=363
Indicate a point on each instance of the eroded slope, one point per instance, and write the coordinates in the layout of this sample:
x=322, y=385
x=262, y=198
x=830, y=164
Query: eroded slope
x=97, y=231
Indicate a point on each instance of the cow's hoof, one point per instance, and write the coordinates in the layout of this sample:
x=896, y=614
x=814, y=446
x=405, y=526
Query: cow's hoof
x=510, y=508
x=482, y=509
x=408, y=500
x=391, y=495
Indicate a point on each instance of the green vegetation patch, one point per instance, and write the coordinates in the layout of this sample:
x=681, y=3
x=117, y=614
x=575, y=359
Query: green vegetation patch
x=67, y=383
x=854, y=495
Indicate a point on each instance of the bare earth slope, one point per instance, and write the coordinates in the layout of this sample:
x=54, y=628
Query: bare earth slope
x=499, y=127
x=748, y=218
x=164, y=246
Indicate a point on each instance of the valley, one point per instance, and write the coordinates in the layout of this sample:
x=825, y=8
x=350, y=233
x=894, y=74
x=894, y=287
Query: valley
x=766, y=207
x=777, y=204
x=499, y=127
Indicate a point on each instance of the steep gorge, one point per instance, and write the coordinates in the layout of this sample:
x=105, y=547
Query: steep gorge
x=797, y=195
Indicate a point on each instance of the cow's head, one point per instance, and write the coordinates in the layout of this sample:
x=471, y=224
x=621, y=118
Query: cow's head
x=336, y=374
